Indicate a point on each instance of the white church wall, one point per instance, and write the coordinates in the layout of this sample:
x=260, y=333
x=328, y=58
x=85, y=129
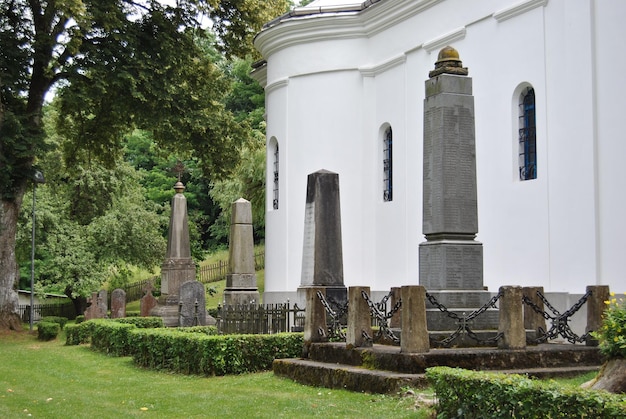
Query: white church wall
x=561, y=230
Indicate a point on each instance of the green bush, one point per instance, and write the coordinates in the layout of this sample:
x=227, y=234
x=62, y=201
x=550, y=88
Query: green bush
x=474, y=394
x=207, y=330
x=612, y=335
x=134, y=313
x=80, y=319
x=197, y=353
x=142, y=322
x=47, y=330
x=77, y=334
x=111, y=337
x=61, y=321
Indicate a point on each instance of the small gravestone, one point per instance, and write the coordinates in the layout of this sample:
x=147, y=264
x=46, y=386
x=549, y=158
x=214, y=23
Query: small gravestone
x=148, y=301
x=97, y=310
x=103, y=301
x=192, y=304
x=118, y=304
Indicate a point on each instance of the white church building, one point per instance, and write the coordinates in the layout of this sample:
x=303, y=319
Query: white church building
x=344, y=83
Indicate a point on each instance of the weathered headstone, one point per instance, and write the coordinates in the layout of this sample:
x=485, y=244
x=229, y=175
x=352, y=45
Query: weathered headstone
x=241, y=288
x=322, y=255
x=192, y=304
x=97, y=309
x=451, y=260
x=118, y=303
x=148, y=301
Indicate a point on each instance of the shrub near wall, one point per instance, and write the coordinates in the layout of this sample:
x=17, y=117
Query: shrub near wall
x=198, y=353
x=474, y=394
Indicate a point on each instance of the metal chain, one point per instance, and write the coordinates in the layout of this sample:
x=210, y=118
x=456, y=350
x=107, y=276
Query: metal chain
x=559, y=322
x=335, y=328
x=463, y=322
x=381, y=319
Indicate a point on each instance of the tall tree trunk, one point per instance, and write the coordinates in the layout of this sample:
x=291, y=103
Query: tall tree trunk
x=9, y=316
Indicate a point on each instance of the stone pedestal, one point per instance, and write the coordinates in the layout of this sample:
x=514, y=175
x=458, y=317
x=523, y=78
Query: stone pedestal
x=322, y=255
x=532, y=320
x=241, y=288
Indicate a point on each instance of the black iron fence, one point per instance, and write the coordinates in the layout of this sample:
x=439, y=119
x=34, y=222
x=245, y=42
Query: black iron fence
x=48, y=309
x=260, y=319
x=206, y=274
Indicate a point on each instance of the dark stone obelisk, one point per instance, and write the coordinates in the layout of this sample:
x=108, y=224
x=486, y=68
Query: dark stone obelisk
x=322, y=256
x=178, y=266
x=450, y=260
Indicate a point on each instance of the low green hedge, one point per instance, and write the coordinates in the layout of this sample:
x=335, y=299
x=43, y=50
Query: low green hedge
x=76, y=334
x=197, y=353
x=111, y=337
x=47, y=330
x=142, y=322
x=474, y=394
x=207, y=330
x=62, y=321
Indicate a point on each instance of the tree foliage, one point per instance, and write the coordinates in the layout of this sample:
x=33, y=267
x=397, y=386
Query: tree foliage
x=116, y=65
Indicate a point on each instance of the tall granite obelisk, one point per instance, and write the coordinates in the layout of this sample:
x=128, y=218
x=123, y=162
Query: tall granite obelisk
x=322, y=255
x=450, y=260
x=178, y=266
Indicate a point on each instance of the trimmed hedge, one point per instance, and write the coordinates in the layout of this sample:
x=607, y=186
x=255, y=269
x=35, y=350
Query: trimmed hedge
x=142, y=322
x=475, y=394
x=48, y=330
x=77, y=334
x=207, y=330
x=111, y=337
x=55, y=319
x=197, y=353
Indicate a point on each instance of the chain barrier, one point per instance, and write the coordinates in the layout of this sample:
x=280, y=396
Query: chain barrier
x=463, y=322
x=377, y=311
x=337, y=313
x=558, y=321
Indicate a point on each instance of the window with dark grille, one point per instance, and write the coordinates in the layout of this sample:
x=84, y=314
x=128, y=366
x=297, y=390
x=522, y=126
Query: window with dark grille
x=527, y=137
x=388, y=166
x=275, y=203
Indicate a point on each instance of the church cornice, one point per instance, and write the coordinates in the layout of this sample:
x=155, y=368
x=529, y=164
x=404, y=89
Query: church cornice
x=348, y=22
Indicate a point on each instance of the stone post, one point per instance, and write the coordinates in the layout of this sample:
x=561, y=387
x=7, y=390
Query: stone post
x=322, y=256
x=595, y=309
x=511, y=318
x=533, y=320
x=314, y=319
x=359, y=318
x=241, y=288
x=414, y=331
x=396, y=320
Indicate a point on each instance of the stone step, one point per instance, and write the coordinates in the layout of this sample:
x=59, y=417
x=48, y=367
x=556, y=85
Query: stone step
x=348, y=377
x=390, y=358
x=354, y=378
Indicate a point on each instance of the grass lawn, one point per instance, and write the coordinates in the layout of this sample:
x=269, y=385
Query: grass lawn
x=51, y=380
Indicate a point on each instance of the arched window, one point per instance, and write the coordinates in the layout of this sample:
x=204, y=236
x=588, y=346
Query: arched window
x=387, y=165
x=275, y=166
x=527, y=136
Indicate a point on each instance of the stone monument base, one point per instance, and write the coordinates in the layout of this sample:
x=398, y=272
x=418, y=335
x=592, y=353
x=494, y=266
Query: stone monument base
x=167, y=309
x=241, y=296
x=336, y=294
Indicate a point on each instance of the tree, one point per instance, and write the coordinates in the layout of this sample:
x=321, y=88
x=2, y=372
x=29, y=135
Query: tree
x=116, y=65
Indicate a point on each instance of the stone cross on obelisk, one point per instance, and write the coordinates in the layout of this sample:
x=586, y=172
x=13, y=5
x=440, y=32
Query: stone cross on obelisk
x=178, y=266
